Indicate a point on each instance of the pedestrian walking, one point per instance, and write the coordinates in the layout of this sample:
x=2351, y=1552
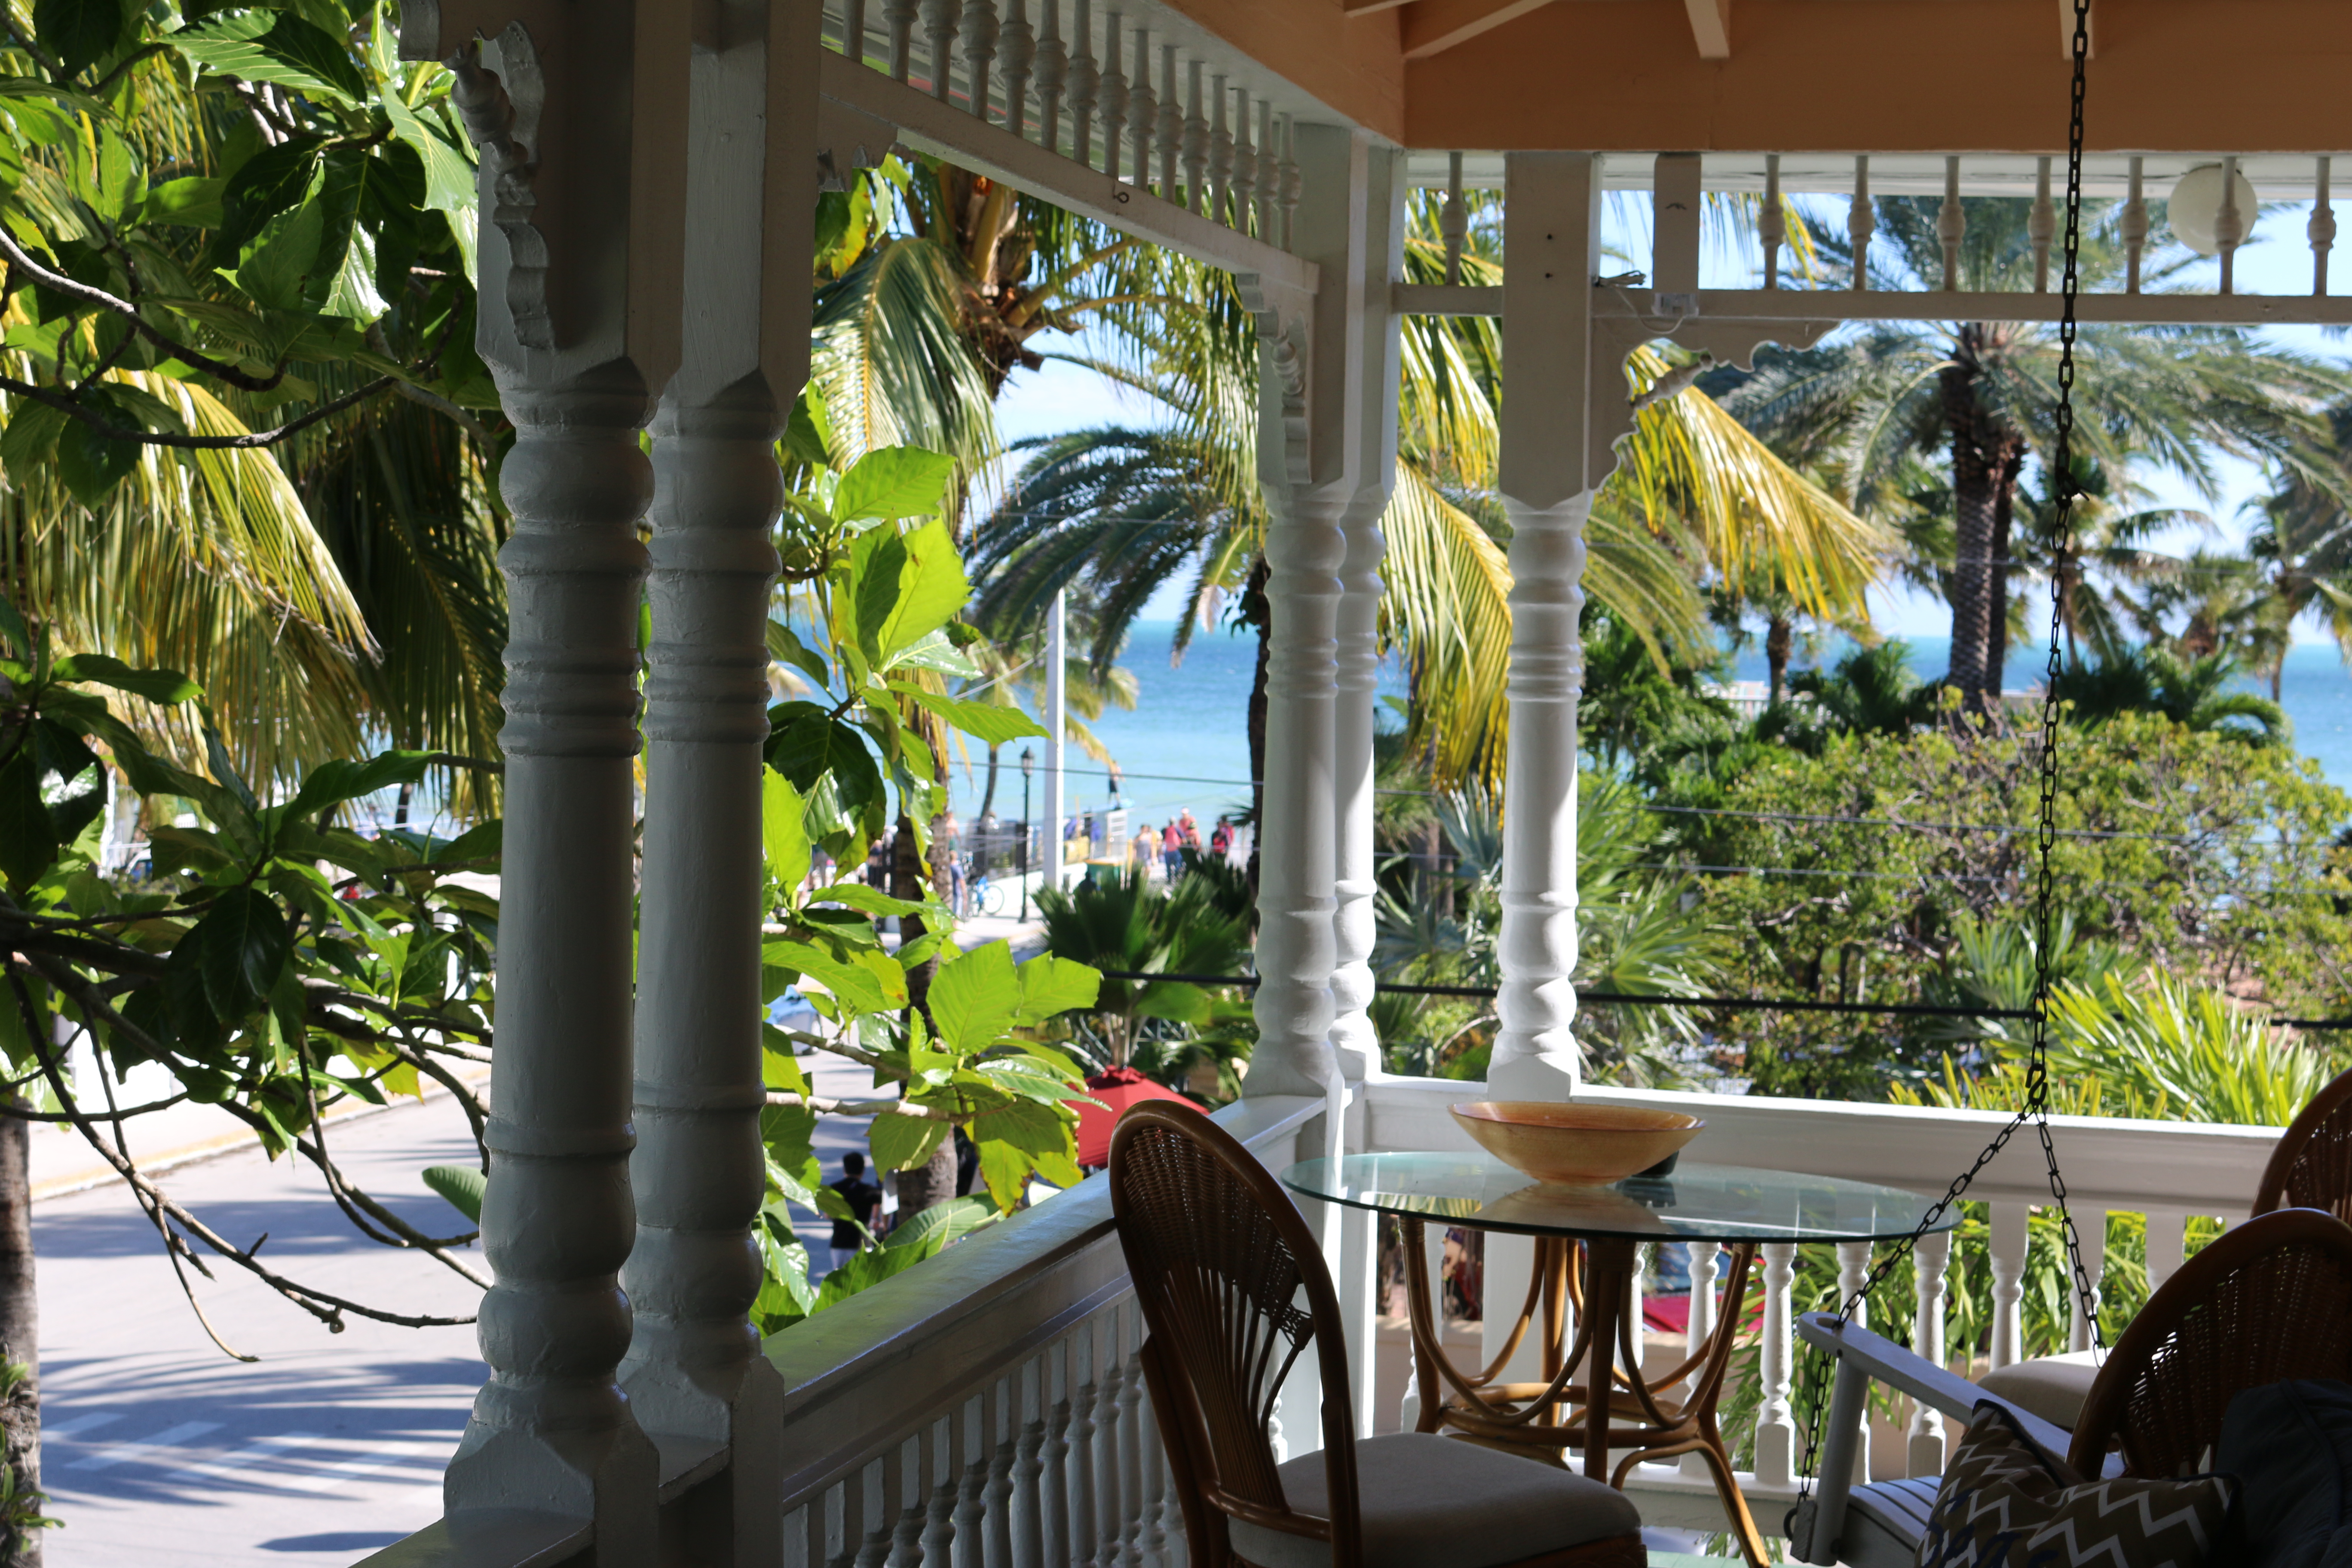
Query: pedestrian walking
x=862, y=1196
x=1171, y=851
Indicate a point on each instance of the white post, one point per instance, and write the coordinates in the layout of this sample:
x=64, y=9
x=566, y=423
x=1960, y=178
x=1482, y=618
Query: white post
x=1776, y=1422
x=1552, y=208
x=2092, y=1228
x=1930, y=1257
x=1854, y=1266
x=1057, y=726
x=1706, y=1266
x=2007, y=1243
x=2167, y=1235
x=584, y=179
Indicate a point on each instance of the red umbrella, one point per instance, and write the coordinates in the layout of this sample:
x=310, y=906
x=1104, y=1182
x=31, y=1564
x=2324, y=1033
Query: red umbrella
x=1117, y=1088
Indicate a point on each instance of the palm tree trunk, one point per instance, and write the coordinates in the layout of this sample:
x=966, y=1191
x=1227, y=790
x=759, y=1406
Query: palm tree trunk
x=934, y=1183
x=1777, y=640
x=988, y=792
x=2004, y=512
x=1974, y=504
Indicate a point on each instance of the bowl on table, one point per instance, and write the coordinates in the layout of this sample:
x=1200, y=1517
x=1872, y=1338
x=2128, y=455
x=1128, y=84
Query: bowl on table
x=1572, y=1144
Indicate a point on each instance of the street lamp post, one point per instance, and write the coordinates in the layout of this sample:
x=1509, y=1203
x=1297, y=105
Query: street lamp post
x=1028, y=766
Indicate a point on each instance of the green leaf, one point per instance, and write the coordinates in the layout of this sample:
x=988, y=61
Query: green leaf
x=943, y=1224
x=12, y=623
x=784, y=829
x=862, y=986
x=271, y=182
x=280, y=266
x=779, y=1067
x=1050, y=985
x=34, y=431
x=194, y=201
x=902, y=1143
x=877, y=562
x=79, y=33
x=333, y=782
x=985, y=721
x=866, y=899
x=28, y=843
x=785, y=647
x=975, y=998
x=892, y=482
x=275, y=46
x=937, y=653
x=808, y=438
x=1174, y=1001
x=463, y=1185
x=242, y=943
x=448, y=177
x=932, y=591
x=89, y=462
x=156, y=685
x=815, y=745
x=865, y=1271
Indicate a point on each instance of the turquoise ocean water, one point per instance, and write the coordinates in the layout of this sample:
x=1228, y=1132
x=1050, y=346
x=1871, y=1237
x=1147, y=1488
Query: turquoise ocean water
x=1185, y=746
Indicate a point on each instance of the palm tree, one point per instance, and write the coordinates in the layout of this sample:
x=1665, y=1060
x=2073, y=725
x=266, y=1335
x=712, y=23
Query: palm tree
x=2194, y=692
x=1981, y=393
x=2300, y=544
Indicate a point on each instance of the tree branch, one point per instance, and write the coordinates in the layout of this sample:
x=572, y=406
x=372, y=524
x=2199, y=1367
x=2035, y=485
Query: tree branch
x=74, y=288
x=201, y=443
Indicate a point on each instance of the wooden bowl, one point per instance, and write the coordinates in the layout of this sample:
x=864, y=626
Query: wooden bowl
x=1572, y=1144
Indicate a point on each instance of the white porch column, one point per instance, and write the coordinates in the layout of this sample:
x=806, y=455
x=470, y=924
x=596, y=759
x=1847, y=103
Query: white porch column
x=1310, y=456
x=1552, y=216
x=583, y=173
x=1057, y=714
x=694, y=1371
x=1374, y=351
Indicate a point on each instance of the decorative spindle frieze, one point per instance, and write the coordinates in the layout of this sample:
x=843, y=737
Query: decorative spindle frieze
x=1196, y=144
x=1951, y=222
x=1135, y=1502
x=1028, y=1472
x=1142, y=109
x=1112, y=94
x=940, y=19
x=1085, y=79
x=1221, y=153
x=936, y=1542
x=1051, y=73
x=2133, y=227
x=1054, y=1461
x=2229, y=226
x=979, y=34
x=1244, y=172
x=1018, y=50
x=1170, y=136
x=1269, y=173
x=1771, y=223
x=1861, y=223
x=2041, y=225
x=1290, y=180
x=1109, y=1379
x=975, y=1445
x=2321, y=229
x=899, y=22
x=1084, y=1362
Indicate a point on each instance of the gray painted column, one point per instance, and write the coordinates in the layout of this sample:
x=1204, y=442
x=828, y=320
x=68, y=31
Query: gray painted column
x=694, y=1370
x=583, y=156
x=1551, y=218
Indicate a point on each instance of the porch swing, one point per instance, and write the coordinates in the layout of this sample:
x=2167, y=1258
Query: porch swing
x=2219, y=1326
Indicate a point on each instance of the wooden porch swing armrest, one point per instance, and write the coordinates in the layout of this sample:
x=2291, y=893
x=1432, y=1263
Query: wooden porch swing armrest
x=1908, y=1372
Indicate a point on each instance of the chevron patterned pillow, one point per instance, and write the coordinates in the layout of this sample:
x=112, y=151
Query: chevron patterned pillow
x=2004, y=1503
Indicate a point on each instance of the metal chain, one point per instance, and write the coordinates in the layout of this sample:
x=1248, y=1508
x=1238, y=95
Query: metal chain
x=2037, y=1072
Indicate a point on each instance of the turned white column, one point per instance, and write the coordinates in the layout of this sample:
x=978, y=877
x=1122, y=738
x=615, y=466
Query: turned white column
x=1931, y=1258
x=583, y=178
x=694, y=1371
x=1552, y=218
x=1057, y=726
x=1374, y=348
x=1310, y=464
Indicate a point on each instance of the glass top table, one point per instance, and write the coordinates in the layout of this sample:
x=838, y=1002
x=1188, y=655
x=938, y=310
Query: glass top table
x=1694, y=1203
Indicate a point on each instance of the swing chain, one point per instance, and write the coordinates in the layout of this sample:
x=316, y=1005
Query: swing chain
x=2037, y=1073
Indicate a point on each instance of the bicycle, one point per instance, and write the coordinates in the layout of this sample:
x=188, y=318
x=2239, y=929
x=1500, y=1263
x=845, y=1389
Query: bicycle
x=989, y=897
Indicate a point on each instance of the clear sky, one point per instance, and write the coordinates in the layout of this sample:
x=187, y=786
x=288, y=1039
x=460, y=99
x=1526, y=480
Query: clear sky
x=2277, y=261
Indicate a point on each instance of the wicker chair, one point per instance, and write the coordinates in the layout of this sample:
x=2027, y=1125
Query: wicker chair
x=2268, y=1300
x=2310, y=1169
x=1234, y=1291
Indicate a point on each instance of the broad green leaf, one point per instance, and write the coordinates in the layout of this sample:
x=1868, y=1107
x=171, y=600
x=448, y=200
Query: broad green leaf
x=987, y=721
x=861, y=989
x=194, y=201
x=784, y=829
x=785, y=647
x=242, y=943
x=941, y=1225
x=878, y=563
x=272, y=182
x=79, y=33
x=902, y=1143
x=448, y=177
x=463, y=1185
x=1050, y=985
x=866, y=900
x=1004, y=1171
x=937, y=652
x=275, y=46
x=893, y=482
x=865, y=1271
x=814, y=745
x=1175, y=1001
x=281, y=265
x=779, y=1067
x=156, y=685
x=28, y=844
x=974, y=1000
x=932, y=590
x=90, y=462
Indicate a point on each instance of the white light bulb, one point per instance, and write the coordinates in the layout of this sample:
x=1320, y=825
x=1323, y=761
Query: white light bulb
x=2194, y=208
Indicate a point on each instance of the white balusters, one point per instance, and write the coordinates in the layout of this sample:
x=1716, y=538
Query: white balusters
x=864, y=1521
x=853, y=29
x=1134, y=1501
x=940, y=19
x=1142, y=109
x=885, y=1486
x=1084, y=78
x=1861, y=223
x=1110, y=1379
x=1269, y=173
x=1775, y=1424
x=1113, y=96
x=2229, y=225
x=1771, y=224
x=1152, y=1542
x=2041, y=225
x=1705, y=1258
x=1018, y=50
x=2133, y=227
x=1244, y=175
x=898, y=21
x=1290, y=180
x=1171, y=122
x=1220, y=153
x=1951, y=222
x=2091, y=1227
x=1853, y=1268
x=2321, y=229
x=2008, y=1241
x=944, y=1445
x=1196, y=144
x=980, y=34
x=1030, y=1535
x=2166, y=1234
x=1001, y=1427
x=1051, y=72
x=1930, y=1259
x=1057, y=1495
x=908, y=1494
x=975, y=1445
x=1454, y=222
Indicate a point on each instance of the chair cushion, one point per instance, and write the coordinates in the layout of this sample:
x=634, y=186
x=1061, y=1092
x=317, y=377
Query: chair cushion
x=2054, y=1387
x=2290, y=1446
x=2004, y=1503
x=1439, y=1502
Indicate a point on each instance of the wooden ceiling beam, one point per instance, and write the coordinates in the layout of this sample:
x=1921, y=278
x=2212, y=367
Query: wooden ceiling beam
x=1710, y=23
x=1365, y=8
x=1434, y=26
